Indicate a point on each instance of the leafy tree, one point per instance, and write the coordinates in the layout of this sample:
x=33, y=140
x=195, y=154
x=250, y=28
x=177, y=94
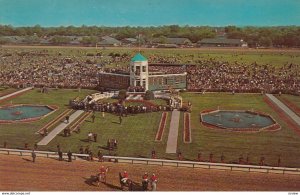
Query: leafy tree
x=149, y=95
x=282, y=36
x=92, y=40
x=59, y=40
x=3, y=41
x=122, y=94
x=265, y=41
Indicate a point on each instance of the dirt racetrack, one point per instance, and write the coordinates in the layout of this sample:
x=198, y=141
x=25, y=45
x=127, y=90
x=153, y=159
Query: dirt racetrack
x=19, y=173
x=231, y=49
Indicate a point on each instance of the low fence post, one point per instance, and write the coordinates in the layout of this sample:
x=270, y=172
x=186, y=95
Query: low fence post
x=47, y=155
x=20, y=153
x=7, y=152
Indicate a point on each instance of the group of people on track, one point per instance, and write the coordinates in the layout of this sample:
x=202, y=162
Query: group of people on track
x=146, y=179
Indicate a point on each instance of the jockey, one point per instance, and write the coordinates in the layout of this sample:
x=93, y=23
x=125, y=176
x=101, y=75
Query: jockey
x=102, y=170
x=145, y=177
x=125, y=177
x=154, y=178
x=145, y=182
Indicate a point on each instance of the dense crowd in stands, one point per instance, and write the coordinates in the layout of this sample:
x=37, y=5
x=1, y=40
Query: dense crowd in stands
x=164, y=59
x=51, y=71
x=39, y=68
x=167, y=69
x=222, y=76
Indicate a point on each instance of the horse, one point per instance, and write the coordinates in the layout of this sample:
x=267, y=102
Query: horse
x=101, y=177
x=125, y=183
x=145, y=185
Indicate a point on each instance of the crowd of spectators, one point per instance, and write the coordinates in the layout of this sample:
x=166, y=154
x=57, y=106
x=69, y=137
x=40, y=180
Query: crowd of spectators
x=41, y=68
x=164, y=59
x=167, y=69
x=117, y=108
x=222, y=76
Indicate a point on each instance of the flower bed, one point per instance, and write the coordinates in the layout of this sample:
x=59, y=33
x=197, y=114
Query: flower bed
x=58, y=118
x=80, y=121
x=291, y=105
x=161, y=127
x=144, y=102
x=187, y=128
x=274, y=127
x=13, y=96
x=208, y=111
x=27, y=120
x=283, y=116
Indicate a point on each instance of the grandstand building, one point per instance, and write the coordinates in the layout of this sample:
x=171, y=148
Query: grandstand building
x=222, y=42
x=144, y=76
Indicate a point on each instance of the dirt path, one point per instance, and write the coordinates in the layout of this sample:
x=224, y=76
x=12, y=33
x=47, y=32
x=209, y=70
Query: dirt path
x=20, y=174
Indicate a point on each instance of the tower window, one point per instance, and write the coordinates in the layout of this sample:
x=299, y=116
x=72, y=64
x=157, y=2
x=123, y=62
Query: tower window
x=137, y=71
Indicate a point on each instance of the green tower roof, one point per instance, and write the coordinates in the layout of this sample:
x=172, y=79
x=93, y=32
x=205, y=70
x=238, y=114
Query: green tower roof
x=138, y=57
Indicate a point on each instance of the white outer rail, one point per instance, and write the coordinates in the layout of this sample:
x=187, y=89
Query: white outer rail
x=163, y=162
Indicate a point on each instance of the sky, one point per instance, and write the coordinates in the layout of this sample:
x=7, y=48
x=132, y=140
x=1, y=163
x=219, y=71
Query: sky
x=49, y=13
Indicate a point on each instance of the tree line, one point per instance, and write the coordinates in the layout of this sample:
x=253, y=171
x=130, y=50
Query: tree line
x=279, y=36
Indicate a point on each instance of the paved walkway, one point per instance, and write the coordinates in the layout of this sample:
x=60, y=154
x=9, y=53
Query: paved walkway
x=283, y=107
x=15, y=93
x=173, y=132
x=59, y=128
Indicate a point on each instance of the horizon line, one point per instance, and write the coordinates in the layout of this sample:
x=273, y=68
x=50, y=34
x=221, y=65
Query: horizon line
x=148, y=26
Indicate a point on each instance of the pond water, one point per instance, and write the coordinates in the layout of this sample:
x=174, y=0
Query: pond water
x=15, y=113
x=237, y=119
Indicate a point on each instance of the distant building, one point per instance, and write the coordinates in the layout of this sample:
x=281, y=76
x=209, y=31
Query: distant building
x=13, y=39
x=221, y=42
x=173, y=41
x=75, y=40
x=140, y=77
x=129, y=41
x=109, y=41
x=167, y=46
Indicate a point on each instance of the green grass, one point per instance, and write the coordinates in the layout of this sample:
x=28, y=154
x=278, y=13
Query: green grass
x=135, y=135
x=294, y=99
x=6, y=90
x=233, y=144
x=17, y=134
x=277, y=58
x=137, y=132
